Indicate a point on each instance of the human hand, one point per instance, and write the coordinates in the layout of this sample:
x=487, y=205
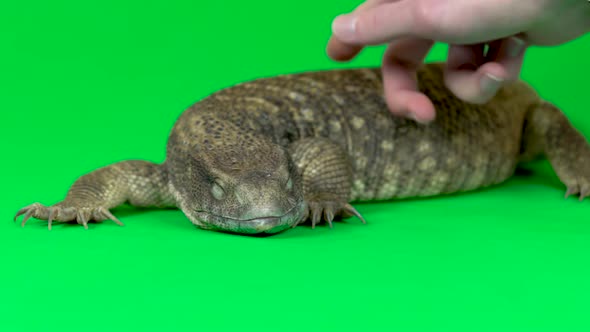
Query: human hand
x=410, y=28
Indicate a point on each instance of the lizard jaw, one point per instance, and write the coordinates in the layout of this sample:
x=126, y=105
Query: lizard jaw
x=269, y=225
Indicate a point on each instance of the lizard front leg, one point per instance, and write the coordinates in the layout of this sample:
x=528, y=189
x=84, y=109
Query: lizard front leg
x=91, y=197
x=549, y=132
x=326, y=175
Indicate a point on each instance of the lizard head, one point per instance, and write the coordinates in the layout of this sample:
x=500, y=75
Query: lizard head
x=248, y=187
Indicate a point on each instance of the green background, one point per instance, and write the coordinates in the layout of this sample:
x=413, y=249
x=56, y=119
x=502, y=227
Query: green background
x=88, y=83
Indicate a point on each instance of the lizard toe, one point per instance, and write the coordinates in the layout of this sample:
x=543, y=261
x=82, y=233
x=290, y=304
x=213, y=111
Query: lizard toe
x=82, y=217
x=571, y=190
x=53, y=211
x=327, y=211
x=578, y=187
x=316, y=213
x=107, y=215
x=584, y=191
x=62, y=212
x=351, y=210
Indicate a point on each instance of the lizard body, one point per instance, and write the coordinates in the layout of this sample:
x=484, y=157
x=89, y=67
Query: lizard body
x=268, y=154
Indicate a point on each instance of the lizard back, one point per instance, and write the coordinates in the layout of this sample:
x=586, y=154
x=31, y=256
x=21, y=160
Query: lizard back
x=466, y=147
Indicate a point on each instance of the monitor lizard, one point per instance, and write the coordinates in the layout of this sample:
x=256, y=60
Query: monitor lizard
x=268, y=154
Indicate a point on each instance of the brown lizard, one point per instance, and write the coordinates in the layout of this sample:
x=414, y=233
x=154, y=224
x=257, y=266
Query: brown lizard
x=266, y=155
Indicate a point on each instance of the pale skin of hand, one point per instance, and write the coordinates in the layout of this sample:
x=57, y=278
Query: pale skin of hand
x=410, y=28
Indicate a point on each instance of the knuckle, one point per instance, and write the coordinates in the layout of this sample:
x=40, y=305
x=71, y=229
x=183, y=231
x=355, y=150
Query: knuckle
x=433, y=18
x=368, y=25
x=427, y=16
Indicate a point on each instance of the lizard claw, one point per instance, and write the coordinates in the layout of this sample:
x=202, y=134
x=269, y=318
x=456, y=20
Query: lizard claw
x=349, y=209
x=52, y=215
x=26, y=211
x=19, y=213
x=62, y=212
x=316, y=214
x=329, y=216
x=321, y=209
x=582, y=190
x=108, y=215
x=27, y=216
x=573, y=190
x=328, y=210
x=82, y=218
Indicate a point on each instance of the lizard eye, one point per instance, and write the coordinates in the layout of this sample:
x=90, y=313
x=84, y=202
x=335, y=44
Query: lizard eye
x=217, y=191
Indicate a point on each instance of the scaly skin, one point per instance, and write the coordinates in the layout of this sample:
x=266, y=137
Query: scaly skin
x=266, y=155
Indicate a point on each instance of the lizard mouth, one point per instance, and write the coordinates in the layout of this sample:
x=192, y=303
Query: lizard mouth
x=269, y=225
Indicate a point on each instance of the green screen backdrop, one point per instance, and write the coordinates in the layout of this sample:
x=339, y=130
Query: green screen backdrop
x=84, y=84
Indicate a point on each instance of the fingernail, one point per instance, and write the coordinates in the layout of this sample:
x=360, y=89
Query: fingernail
x=515, y=46
x=344, y=26
x=490, y=84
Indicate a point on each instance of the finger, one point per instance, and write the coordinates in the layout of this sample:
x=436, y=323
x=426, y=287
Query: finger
x=476, y=87
x=341, y=51
x=400, y=63
x=509, y=54
x=469, y=77
x=465, y=56
x=375, y=24
x=477, y=81
x=445, y=21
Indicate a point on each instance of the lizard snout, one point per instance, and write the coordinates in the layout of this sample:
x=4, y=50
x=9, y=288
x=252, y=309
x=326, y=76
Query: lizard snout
x=267, y=211
x=272, y=219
